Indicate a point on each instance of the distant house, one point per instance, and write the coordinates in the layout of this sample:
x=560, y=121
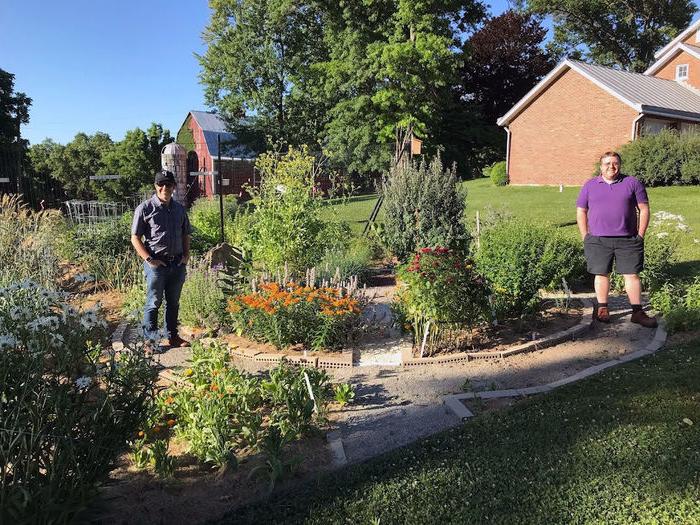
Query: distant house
x=557, y=131
x=198, y=135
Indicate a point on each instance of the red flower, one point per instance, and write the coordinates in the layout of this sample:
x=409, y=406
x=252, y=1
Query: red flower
x=426, y=250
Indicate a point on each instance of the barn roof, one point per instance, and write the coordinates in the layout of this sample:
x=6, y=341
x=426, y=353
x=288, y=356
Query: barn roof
x=644, y=93
x=213, y=125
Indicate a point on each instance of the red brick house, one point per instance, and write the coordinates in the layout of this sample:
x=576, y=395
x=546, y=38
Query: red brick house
x=557, y=131
x=198, y=135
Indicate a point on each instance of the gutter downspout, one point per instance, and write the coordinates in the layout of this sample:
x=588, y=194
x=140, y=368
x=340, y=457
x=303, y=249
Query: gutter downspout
x=634, y=125
x=507, y=152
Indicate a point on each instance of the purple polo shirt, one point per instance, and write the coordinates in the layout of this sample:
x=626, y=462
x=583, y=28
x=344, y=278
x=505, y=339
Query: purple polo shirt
x=612, y=208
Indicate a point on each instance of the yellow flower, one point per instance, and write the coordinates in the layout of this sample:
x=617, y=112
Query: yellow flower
x=188, y=372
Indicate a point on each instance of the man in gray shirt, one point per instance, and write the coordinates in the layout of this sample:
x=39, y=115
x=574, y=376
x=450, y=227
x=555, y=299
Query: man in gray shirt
x=165, y=248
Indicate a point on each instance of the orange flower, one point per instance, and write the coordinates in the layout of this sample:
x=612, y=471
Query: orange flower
x=169, y=400
x=214, y=388
x=141, y=433
x=171, y=423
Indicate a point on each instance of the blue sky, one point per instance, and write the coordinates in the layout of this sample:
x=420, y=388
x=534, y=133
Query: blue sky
x=93, y=65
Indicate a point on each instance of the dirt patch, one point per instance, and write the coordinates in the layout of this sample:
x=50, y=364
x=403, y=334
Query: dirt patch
x=197, y=493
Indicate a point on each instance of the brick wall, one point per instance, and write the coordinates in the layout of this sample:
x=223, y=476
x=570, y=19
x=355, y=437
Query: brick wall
x=559, y=137
x=669, y=70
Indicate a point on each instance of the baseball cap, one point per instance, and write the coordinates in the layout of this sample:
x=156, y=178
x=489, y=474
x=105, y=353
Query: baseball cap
x=165, y=176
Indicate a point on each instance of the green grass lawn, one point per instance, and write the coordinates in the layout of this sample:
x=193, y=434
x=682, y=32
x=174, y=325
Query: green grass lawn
x=616, y=448
x=548, y=204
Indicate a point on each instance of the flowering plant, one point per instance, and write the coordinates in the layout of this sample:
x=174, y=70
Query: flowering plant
x=66, y=406
x=287, y=314
x=439, y=287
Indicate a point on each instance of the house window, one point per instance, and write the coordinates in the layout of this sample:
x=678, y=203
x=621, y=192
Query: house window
x=682, y=72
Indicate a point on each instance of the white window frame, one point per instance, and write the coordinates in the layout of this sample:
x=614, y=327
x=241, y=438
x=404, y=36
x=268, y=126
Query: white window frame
x=680, y=78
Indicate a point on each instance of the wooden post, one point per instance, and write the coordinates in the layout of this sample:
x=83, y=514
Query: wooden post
x=478, y=230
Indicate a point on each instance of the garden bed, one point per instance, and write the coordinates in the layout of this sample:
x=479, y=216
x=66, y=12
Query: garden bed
x=551, y=319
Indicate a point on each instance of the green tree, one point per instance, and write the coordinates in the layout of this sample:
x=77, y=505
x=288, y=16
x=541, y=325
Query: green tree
x=128, y=158
x=258, y=52
x=391, y=63
x=73, y=164
x=14, y=110
x=157, y=138
x=616, y=34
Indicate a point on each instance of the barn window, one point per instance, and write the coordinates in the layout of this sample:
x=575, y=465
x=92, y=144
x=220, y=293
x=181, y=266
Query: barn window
x=682, y=72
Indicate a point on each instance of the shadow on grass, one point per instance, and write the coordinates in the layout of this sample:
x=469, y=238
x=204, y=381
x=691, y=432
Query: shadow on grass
x=613, y=448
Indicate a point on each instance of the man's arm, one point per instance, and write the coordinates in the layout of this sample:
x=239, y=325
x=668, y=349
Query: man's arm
x=140, y=248
x=185, y=249
x=643, y=218
x=582, y=221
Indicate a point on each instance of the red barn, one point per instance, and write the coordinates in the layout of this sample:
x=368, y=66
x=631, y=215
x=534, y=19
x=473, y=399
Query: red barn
x=198, y=135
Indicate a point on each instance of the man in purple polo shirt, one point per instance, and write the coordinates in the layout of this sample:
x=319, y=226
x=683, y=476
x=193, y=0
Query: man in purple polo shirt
x=606, y=213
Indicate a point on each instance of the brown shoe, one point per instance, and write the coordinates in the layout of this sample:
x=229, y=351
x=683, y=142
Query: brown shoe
x=602, y=314
x=640, y=317
x=178, y=342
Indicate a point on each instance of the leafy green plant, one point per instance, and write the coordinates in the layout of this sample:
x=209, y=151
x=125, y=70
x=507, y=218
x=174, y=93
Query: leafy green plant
x=162, y=462
x=423, y=207
x=518, y=258
x=440, y=290
x=344, y=393
x=205, y=218
x=679, y=304
x=286, y=224
x=68, y=407
x=140, y=454
x=497, y=173
x=202, y=302
x=345, y=263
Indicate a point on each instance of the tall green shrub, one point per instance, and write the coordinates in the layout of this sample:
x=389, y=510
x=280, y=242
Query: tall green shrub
x=519, y=258
x=497, y=173
x=663, y=159
x=423, y=207
x=286, y=224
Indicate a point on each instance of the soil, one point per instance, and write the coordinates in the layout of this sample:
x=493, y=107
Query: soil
x=196, y=493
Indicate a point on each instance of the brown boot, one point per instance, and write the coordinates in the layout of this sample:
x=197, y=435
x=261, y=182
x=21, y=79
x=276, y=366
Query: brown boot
x=178, y=342
x=601, y=313
x=640, y=317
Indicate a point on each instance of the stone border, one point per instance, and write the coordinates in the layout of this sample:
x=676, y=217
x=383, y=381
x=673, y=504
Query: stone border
x=407, y=358
x=454, y=401
x=263, y=354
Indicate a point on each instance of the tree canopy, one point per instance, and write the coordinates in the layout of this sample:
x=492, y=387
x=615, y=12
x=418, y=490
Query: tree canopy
x=14, y=110
x=617, y=34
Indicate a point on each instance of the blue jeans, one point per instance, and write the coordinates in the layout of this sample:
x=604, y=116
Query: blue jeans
x=162, y=280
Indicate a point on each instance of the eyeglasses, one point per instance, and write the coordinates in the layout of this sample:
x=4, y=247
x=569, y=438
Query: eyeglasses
x=168, y=184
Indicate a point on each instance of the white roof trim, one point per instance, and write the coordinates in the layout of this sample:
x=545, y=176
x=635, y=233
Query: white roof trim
x=548, y=80
x=671, y=54
x=682, y=36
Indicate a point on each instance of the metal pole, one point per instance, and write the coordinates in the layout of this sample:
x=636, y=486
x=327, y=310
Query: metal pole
x=221, y=188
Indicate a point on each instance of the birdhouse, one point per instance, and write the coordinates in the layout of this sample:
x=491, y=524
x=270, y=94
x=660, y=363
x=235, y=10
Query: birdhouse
x=416, y=145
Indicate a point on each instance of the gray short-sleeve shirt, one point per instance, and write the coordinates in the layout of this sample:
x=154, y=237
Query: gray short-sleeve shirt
x=162, y=226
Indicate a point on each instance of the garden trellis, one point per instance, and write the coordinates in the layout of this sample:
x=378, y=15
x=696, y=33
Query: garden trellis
x=95, y=212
